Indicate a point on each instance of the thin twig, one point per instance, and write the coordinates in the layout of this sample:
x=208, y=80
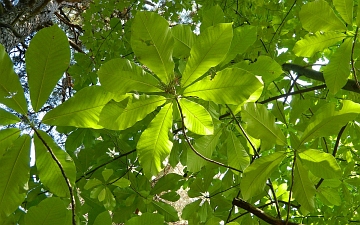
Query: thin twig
x=275, y=199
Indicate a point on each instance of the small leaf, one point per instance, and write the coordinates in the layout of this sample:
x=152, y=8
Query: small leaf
x=184, y=40
x=255, y=175
x=336, y=73
x=7, y=118
x=313, y=43
x=122, y=183
x=106, y=173
x=11, y=91
x=261, y=124
x=154, y=144
x=120, y=116
x=146, y=219
x=321, y=164
x=14, y=170
x=304, y=190
x=196, y=118
x=208, y=51
x=229, y=86
x=122, y=76
x=92, y=183
x=152, y=43
x=47, y=58
x=168, y=211
x=319, y=16
x=82, y=110
x=236, y=154
x=49, y=211
x=345, y=9
x=211, y=17
x=48, y=169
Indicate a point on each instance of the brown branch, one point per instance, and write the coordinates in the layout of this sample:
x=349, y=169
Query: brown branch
x=260, y=213
x=72, y=198
x=192, y=147
x=8, y=26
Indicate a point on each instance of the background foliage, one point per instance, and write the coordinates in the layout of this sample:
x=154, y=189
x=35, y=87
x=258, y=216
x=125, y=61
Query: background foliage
x=212, y=104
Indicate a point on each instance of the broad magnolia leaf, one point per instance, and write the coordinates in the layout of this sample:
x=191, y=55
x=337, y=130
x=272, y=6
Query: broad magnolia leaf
x=49, y=171
x=327, y=121
x=11, y=92
x=330, y=196
x=236, y=154
x=244, y=37
x=230, y=86
x=49, y=211
x=184, y=40
x=319, y=16
x=345, y=9
x=169, y=212
x=7, y=118
x=103, y=218
x=261, y=124
x=208, y=51
x=154, y=144
x=14, y=170
x=303, y=189
x=146, y=219
x=122, y=76
x=337, y=71
x=46, y=59
x=152, y=43
x=321, y=164
x=265, y=67
x=211, y=17
x=255, y=175
x=196, y=118
x=7, y=136
x=313, y=43
x=122, y=115
x=82, y=110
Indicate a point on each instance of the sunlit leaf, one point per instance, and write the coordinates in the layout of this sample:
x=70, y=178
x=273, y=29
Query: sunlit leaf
x=345, y=9
x=184, y=40
x=211, y=17
x=255, y=175
x=236, y=154
x=122, y=76
x=337, y=71
x=208, y=51
x=48, y=168
x=7, y=118
x=196, y=118
x=331, y=196
x=7, y=136
x=47, y=58
x=14, y=170
x=319, y=16
x=11, y=92
x=230, y=86
x=154, y=143
x=152, y=43
x=321, y=164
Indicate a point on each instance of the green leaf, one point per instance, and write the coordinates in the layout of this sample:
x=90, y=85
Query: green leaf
x=345, y=9
x=7, y=136
x=331, y=196
x=337, y=71
x=244, y=37
x=122, y=76
x=119, y=115
x=166, y=210
x=152, y=43
x=255, y=175
x=49, y=211
x=236, y=154
x=321, y=164
x=7, y=118
x=168, y=182
x=184, y=40
x=327, y=121
x=319, y=16
x=109, y=199
x=313, y=43
x=230, y=86
x=208, y=51
x=190, y=209
x=261, y=124
x=146, y=219
x=47, y=58
x=211, y=17
x=92, y=183
x=303, y=189
x=265, y=67
x=103, y=218
x=48, y=169
x=14, y=170
x=122, y=183
x=82, y=110
x=11, y=92
x=196, y=118
x=154, y=144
